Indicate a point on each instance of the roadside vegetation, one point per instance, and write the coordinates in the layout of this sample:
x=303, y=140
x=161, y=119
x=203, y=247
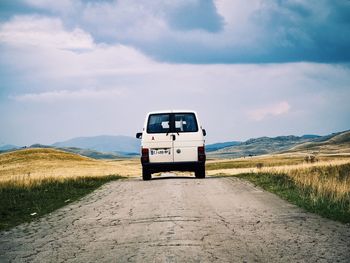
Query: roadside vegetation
x=33, y=164
x=324, y=190
x=34, y=182
x=269, y=161
x=23, y=202
x=319, y=184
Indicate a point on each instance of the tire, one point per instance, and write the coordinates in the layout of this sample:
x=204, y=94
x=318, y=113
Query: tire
x=200, y=172
x=146, y=175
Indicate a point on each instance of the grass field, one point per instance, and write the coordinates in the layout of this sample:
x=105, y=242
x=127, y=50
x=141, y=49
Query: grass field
x=322, y=187
x=31, y=166
x=34, y=182
x=23, y=203
x=322, y=190
x=269, y=161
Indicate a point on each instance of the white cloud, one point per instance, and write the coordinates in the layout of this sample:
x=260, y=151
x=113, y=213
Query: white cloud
x=44, y=32
x=53, y=87
x=57, y=95
x=131, y=20
x=45, y=52
x=253, y=31
x=277, y=109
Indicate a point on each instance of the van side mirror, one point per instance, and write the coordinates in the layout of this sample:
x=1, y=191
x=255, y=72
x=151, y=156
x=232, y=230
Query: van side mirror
x=204, y=132
x=139, y=135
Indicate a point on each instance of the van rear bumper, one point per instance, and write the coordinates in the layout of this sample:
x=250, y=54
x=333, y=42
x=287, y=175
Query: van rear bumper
x=177, y=166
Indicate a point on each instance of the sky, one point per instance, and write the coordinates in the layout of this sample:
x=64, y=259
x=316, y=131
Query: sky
x=255, y=68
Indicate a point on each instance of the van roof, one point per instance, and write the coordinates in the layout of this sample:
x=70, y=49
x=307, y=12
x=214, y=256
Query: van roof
x=171, y=111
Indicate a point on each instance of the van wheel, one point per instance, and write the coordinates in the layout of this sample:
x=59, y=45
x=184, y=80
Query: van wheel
x=146, y=175
x=200, y=172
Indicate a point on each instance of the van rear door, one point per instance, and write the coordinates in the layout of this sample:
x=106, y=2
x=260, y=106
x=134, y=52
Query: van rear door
x=158, y=138
x=187, y=137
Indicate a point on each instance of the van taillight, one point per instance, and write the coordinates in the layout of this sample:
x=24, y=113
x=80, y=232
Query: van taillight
x=144, y=155
x=201, y=153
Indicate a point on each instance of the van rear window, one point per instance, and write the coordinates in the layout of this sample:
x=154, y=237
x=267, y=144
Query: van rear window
x=172, y=122
x=185, y=122
x=158, y=123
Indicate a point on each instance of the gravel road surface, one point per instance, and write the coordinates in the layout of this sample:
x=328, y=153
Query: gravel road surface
x=177, y=219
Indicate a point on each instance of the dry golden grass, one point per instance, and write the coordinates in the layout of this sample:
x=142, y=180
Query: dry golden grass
x=277, y=168
x=329, y=178
x=329, y=181
x=326, y=182
x=270, y=160
x=32, y=166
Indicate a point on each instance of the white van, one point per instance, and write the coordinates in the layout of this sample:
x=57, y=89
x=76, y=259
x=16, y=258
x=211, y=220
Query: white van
x=172, y=141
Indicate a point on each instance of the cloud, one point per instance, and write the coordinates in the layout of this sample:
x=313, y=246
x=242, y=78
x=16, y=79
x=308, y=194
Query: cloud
x=220, y=31
x=192, y=15
x=57, y=95
x=109, y=89
x=51, y=91
x=270, y=110
x=43, y=31
x=44, y=51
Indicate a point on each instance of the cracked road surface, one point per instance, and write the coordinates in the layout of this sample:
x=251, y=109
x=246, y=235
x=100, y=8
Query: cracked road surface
x=176, y=219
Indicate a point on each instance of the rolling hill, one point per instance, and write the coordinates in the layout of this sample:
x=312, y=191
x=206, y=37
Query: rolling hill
x=94, y=154
x=220, y=145
x=336, y=142
x=39, y=163
x=85, y=152
x=117, y=147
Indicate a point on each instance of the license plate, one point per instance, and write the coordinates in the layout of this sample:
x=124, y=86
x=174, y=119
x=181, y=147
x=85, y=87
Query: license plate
x=160, y=151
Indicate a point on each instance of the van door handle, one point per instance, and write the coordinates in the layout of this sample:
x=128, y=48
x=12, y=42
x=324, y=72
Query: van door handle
x=173, y=136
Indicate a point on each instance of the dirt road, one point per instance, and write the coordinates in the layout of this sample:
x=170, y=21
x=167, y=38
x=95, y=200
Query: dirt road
x=178, y=220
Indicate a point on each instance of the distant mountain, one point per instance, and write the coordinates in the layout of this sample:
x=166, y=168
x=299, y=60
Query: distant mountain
x=262, y=145
x=84, y=152
x=332, y=143
x=104, y=143
x=310, y=136
x=91, y=153
x=115, y=147
x=39, y=145
x=98, y=147
x=7, y=147
x=220, y=145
